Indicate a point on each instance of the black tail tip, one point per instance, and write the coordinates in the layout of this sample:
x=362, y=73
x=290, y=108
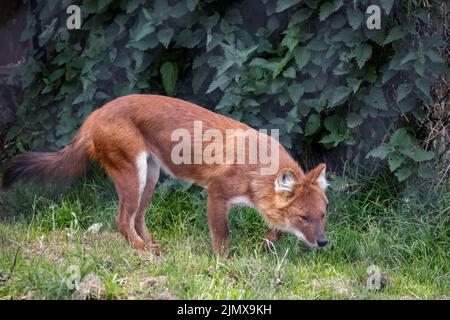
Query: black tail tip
x=11, y=173
x=6, y=181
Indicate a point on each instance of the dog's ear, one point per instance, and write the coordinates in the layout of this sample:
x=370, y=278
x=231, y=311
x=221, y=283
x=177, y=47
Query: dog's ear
x=284, y=186
x=285, y=181
x=318, y=176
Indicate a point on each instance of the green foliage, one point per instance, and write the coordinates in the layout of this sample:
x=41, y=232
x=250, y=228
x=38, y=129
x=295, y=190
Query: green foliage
x=310, y=66
x=401, y=151
x=169, y=75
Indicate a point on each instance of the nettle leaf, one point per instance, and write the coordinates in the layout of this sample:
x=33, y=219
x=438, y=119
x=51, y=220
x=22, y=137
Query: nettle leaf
x=263, y=63
x=371, y=74
x=388, y=75
x=346, y=35
x=132, y=5
x=290, y=41
x=419, y=68
x=289, y=73
x=376, y=35
x=435, y=57
x=220, y=82
x=363, y=54
x=424, y=86
x=317, y=44
x=309, y=86
x=169, y=76
x=228, y=100
x=300, y=16
x=409, y=57
x=354, y=120
x=160, y=7
x=55, y=75
x=45, y=36
x=400, y=138
x=426, y=172
x=138, y=58
x=341, y=69
x=394, y=34
x=403, y=90
x=355, y=17
x=335, y=123
x=103, y=4
x=280, y=65
x=302, y=56
x=179, y=10
x=191, y=4
x=329, y=7
x=321, y=80
x=403, y=173
x=199, y=78
x=285, y=4
x=395, y=161
x=338, y=21
x=380, y=152
x=143, y=44
x=120, y=20
x=296, y=91
x=312, y=125
x=387, y=5
x=316, y=104
x=165, y=35
x=189, y=39
x=354, y=84
x=340, y=95
x=313, y=4
x=338, y=131
x=143, y=32
x=272, y=24
x=375, y=98
x=417, y=154
x=407, y=104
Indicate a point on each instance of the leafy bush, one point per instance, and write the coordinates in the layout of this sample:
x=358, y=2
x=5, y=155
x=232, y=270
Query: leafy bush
x=311, y=68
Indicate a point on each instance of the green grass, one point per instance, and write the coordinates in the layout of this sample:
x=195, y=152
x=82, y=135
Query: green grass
x=44, y=232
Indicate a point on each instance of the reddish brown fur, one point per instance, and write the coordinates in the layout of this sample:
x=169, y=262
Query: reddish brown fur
x=117, y=133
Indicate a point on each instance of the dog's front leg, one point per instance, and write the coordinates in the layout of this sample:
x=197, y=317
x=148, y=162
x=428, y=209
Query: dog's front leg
x=218, y=222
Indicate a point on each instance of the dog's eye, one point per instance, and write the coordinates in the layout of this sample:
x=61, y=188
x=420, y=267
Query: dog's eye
x=303, y=218
x=323, y=216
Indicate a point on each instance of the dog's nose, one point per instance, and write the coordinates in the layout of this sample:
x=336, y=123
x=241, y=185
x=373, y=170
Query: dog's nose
x=322, y=243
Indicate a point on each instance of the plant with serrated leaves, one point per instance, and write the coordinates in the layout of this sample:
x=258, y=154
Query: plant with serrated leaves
x=310, y=68
x=401, y=152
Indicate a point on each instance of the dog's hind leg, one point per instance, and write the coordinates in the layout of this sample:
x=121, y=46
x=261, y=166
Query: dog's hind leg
x=153, y=170
x=130, y=181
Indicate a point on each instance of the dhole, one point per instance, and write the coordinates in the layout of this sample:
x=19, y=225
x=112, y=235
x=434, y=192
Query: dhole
x=130, y=137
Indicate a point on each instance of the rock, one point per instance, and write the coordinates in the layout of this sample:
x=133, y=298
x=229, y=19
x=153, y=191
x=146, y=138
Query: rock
x=3, y=277
x=95, y=228
x=153, y=281
x=31, y=295
x=91, y=287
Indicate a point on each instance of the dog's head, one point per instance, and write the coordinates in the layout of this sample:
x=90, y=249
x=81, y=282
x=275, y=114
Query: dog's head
x=300, y=205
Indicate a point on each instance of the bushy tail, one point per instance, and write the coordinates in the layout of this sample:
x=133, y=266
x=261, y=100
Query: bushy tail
x=59, y=167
